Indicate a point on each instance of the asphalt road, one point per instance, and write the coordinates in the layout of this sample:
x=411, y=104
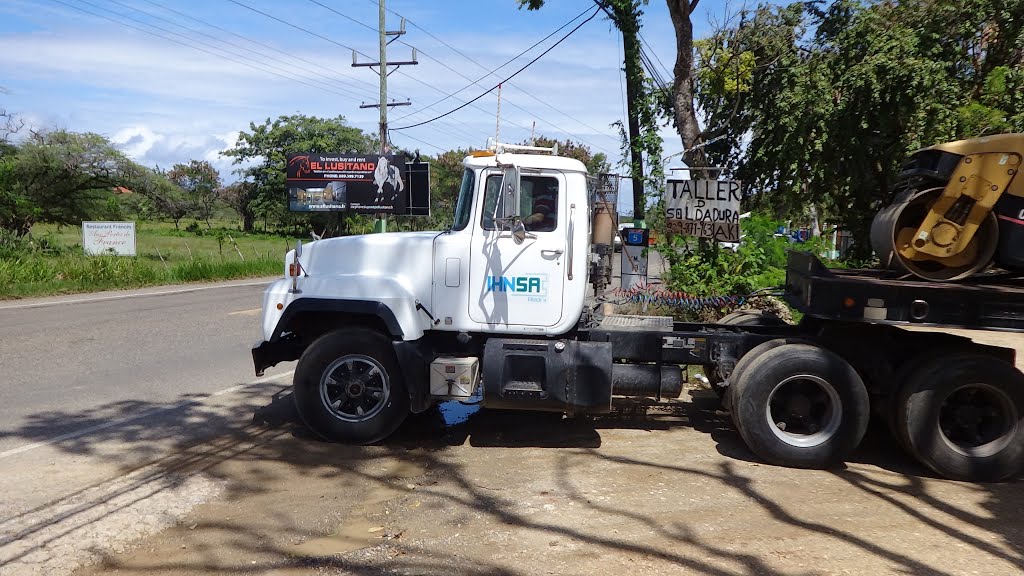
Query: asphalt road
x=77, y=354
x=102, y=393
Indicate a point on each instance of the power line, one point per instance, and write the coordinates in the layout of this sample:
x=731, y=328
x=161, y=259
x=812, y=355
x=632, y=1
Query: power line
x=494, y=73
x=510, y=60
x=424, y=142
x=214, y=38
x=514, y=74
x=507, y=101
x=306, y=30
x=187, y=45
x=294, y=57
x=663, y=67
x=338, y=44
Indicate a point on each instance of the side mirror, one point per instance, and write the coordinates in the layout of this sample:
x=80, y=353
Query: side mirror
x=510, y=192
x=518, y=231
x=298, y=248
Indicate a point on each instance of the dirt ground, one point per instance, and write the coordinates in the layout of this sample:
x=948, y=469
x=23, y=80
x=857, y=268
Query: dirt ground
x=666, y=489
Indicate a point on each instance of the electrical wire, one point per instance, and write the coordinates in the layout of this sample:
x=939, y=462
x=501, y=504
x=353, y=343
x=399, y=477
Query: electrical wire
x=494, y=71
x=413, y=78
x=663, y=67
x=513, y=75
x=214, y=38
x=404, y=135
x=188, y=45
x=306, y=30
x=294, y=58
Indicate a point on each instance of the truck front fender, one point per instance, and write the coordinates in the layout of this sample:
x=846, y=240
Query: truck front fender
x=325, y=305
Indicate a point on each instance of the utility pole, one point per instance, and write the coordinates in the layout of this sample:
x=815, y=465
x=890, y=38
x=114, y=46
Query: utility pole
x=383, y=71
x=623, y=13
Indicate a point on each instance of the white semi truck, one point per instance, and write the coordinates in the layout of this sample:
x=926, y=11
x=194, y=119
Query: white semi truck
x=387, y=324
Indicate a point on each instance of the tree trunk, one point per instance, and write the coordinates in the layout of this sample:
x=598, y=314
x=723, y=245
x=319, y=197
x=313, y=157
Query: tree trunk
x=247, y=221
x=682, y=86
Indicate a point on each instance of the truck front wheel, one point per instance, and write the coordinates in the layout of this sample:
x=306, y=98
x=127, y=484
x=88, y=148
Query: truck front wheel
x=348, y=387
x=799, y=405
x=962, y=415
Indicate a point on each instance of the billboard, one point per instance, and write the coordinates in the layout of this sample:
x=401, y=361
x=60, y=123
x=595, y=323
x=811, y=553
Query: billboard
x=704, y=208
x=363, y=183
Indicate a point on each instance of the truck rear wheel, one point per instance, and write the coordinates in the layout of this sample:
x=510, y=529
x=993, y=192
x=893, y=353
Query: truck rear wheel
x=348, y=387
x=963, y=417
x=799, y=405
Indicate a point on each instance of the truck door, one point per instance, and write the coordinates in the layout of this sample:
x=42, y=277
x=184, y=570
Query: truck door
x=520, y=284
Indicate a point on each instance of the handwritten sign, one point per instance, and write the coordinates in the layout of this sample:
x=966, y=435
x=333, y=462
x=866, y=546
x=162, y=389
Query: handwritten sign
x=109, y=238
x=704, y=208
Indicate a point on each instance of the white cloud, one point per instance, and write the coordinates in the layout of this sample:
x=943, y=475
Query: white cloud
x=166, y=103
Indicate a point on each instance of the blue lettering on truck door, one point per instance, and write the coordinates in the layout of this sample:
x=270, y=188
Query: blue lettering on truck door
x=515, y=284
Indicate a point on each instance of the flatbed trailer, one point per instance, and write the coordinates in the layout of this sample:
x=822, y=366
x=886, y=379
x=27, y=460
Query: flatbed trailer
x=954, y=404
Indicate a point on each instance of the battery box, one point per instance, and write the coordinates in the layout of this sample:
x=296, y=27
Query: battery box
x=454, y=377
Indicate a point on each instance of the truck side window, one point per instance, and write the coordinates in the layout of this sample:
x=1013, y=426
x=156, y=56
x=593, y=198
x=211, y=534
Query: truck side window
x=464, y=204
x=538, y=202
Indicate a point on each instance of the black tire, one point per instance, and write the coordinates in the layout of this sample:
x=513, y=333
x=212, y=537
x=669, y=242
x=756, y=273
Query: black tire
x=890, y=411
x=750, y=318
x=367, y=400
x=817, y=395
x=963, y=416
x=748, y=358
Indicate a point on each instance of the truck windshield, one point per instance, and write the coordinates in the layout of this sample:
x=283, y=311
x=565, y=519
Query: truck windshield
x=465, y=202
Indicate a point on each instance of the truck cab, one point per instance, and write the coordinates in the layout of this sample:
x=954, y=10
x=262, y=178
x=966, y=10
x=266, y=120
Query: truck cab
x=514, y=263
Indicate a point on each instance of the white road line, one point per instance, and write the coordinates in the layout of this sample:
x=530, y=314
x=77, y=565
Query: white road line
x=251, y=312
x=111, y=424
x=124, y=296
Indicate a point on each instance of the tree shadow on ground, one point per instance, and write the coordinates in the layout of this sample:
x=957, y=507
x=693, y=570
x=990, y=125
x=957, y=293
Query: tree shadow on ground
x=430, y=474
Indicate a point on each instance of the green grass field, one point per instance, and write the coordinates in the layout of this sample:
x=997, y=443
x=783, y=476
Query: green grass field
x=55, y=264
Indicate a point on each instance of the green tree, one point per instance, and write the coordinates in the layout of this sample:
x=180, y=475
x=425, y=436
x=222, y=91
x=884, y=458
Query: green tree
x=61, y=177
x=201, y=183
x=239, y=195
x=822, y=105
x=265, y=146
x=163, y=198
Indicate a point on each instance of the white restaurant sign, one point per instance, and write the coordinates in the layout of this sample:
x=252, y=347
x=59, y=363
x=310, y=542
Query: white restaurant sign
x=704, y=208
x=107, y=237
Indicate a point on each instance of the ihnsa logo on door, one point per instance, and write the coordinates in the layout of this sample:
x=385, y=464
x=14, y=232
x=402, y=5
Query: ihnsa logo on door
x=531, y=286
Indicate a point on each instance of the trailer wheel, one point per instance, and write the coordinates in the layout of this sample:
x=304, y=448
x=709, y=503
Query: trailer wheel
x=750, y=318
x=963, y=417
x=746, y=360
x=348, y=387
x=800, y=405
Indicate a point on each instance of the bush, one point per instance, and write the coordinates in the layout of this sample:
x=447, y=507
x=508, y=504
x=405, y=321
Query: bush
x=709, y=269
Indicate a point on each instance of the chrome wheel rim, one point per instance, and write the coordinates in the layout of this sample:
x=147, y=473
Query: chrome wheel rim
x=804, y=411
x=354, y=388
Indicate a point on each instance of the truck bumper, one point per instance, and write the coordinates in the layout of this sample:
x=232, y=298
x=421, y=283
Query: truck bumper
x=267, y=354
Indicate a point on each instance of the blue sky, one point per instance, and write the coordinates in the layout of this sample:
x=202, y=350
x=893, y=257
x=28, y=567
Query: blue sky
x=169, y=101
